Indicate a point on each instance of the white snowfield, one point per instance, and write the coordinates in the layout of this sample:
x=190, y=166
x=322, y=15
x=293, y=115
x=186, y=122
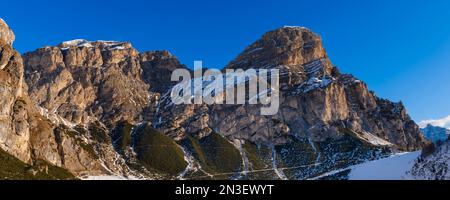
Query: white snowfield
x=392, y=168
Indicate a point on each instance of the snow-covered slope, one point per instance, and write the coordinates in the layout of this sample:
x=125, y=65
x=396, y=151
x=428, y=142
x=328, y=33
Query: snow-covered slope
x=392, y=168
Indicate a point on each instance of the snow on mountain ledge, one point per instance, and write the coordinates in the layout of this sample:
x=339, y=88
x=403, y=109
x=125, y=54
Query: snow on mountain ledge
x=314, y=83
x=369, y=137
x=102, y=44
x=348, y=79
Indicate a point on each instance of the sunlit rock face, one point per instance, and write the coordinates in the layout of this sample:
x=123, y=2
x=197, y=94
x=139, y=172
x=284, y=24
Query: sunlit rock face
x=6, y=34
x=34, y=134
x=317, y=101
x=14, y=132
x=83, y=81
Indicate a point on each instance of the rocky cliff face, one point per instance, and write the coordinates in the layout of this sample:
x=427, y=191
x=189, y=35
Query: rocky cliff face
x=105, y=80
x=327, y=120
x=35, y=135
x=106, y=83
x=103, y=108
x=84, y=81
x=14, y=132
x=317, y=102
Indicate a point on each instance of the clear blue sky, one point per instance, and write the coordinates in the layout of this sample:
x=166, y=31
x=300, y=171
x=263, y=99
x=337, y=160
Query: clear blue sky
x=400, y=48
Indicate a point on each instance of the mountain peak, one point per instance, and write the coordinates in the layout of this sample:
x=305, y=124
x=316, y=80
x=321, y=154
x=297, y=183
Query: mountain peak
x=6, y=34
x=428, y=126
x=288, y=45
x=435, y=133
x=431, y=126
x=295, y=27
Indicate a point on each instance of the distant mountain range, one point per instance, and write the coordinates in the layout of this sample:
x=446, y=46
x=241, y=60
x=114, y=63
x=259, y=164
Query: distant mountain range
x=89, y=109
x=444, y=122
x=435, y=133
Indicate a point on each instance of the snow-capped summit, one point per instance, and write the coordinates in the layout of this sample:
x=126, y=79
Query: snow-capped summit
x=102, y=44
x=76, y=42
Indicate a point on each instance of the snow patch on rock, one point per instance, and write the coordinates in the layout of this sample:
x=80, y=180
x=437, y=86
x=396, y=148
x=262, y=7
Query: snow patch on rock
x=102, y=44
